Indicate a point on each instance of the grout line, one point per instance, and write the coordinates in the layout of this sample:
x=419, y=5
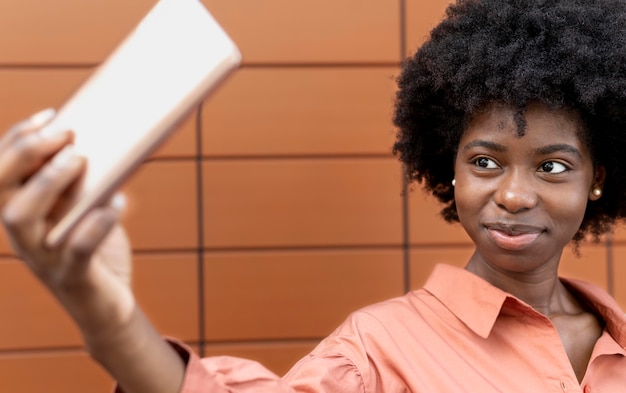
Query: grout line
x=403, y=39
x=200, y=221
x=406, y=246
x=60, y=66
x=38, y=350
x=290, y=248
x=71, y=349
x=357, y=64
x=300, y=156
x=235, y=157
x=328, y=64
x=618, y=242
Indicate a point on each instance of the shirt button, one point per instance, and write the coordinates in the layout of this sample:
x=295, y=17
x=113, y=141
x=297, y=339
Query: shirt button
x=563, y=386
x=587, y=389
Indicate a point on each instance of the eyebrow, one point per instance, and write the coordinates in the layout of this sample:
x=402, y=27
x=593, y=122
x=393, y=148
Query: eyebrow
x=544, y=150
x=486, y=144
x=559, y=147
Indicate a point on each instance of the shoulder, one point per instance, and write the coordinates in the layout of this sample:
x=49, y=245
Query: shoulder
x=399, y=308
x=594, y=295
x=603, y=304
x=385, y=321
x=366, y=341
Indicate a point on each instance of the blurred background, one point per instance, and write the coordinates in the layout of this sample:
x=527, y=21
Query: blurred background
x=275, y=210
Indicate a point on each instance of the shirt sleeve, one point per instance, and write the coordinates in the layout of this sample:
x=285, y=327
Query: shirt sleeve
x=225, y=374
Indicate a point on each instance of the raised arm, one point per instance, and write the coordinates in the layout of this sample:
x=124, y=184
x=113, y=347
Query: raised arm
x=90, y=272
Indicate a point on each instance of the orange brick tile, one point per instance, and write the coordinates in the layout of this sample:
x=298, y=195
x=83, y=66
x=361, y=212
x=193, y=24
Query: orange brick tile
x=421, y=17
x=53, y=371
x=26, y=91
x=290, y=294
x=619, y=233
x=65, y=31
x=423, y=260
x=162, y=206
x=182, y=142
x=5, y=247
x=426, y=226
x=31, y=318
x=284, y=31
x=166, y=286
x=590, y=264
x=289, y=111
x=270, y=203
x=619, y=274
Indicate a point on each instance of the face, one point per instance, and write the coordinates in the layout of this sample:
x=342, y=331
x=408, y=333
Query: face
x=522, y=199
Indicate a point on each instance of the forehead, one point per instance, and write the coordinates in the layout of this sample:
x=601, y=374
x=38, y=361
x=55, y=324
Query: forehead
x=536, y=124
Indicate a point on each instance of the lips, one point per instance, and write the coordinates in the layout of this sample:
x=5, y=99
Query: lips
x=513, y=237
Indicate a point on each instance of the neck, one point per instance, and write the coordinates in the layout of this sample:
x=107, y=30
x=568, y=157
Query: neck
x=540, y=288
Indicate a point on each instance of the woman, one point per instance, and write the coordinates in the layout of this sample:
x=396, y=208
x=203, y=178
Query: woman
x=513, y=114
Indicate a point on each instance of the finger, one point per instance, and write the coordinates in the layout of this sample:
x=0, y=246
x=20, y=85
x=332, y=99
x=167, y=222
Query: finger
x=25, y=214
x=24, y=146
x=33, y=123
x=118, y=203
x=89, y=234
x=27, y=153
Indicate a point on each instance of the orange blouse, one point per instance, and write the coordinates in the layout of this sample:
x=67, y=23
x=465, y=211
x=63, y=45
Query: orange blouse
x=457, y=334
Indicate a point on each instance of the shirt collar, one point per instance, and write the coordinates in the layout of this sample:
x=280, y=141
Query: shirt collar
x=478, y=304
x=473, y=300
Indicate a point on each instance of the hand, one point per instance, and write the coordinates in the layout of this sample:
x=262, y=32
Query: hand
x=90, y=271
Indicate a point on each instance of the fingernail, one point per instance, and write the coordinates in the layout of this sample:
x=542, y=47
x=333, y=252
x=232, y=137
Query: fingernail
x=41, y=118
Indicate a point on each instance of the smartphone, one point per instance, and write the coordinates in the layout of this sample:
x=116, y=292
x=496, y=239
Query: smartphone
x=136, y=98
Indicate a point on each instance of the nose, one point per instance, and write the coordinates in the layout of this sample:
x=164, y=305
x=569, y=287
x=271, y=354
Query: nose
x=515, y=192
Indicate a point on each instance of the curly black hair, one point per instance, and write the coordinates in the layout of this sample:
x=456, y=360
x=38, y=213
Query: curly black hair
x=568, y=54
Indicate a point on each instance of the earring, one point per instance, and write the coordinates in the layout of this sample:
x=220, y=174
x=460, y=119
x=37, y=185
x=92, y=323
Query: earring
x=597, y=191
x=453, y=182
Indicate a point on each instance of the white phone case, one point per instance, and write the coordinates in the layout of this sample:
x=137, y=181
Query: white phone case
x=165, y=67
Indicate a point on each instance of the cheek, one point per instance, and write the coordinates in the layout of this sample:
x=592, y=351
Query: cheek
x=568, y=211
x=568, y=203
x=469, y=201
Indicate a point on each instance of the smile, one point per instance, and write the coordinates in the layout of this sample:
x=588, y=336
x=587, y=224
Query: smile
x=512, y=237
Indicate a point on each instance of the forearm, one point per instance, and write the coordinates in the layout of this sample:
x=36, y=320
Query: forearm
x=90, y=271
x=138, y=357
x=119, y=336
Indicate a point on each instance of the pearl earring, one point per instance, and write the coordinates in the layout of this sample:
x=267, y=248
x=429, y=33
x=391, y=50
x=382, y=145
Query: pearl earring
x=453, y=182
x=597, y=191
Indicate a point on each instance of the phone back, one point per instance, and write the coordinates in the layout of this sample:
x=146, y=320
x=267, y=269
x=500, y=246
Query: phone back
x=135, y=99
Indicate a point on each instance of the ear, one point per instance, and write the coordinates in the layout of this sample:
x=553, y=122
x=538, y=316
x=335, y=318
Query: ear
x=598, y=183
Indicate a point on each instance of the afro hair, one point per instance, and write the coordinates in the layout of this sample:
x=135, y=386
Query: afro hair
x=568, y=54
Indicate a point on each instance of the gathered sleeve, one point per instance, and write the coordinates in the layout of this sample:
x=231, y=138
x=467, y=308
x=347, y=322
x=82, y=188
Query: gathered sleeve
x=226, y=374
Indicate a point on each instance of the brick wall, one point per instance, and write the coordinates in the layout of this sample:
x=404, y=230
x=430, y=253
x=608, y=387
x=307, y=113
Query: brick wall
x=275, y=210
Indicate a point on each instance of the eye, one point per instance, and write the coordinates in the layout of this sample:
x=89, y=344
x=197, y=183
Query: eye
x=486, y=163
x=552, y=167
